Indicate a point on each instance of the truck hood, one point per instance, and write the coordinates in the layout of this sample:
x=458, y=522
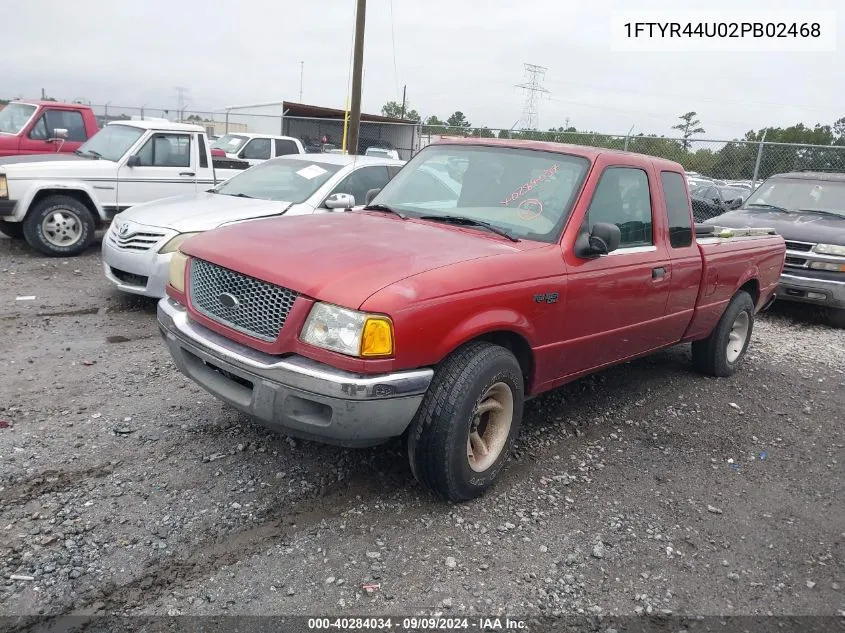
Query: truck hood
x=344, y=258
x=201, y=211
x=800, y=227
x=39, y=158
x=67, y=168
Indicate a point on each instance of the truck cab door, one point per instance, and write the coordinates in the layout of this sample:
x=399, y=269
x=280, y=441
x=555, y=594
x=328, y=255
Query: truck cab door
x=40, y=137
x=257, y=150
x=164, y=166
x=616, y=303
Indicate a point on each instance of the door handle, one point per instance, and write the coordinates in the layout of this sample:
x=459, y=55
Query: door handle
x=187, y=173
x=658, y=273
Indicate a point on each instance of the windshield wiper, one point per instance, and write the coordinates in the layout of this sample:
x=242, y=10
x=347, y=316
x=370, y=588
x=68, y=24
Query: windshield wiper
x=385, y=208
x=823, y=212
x=87, y=152
x=767, y=206
x=236, y=195
x=459, y=219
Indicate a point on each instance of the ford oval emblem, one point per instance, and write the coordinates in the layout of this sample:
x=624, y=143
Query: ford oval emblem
x=228, y=300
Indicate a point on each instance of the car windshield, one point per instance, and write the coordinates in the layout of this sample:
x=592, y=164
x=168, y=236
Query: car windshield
x=14, y=116
x=111, y=142
x=282, y=179
x=230, y=143
x=730, y=193
x=795, y=194
x=528, y=193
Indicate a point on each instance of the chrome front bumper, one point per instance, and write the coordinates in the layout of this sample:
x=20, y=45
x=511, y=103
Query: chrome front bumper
x=293, y=395
x=797, y=287
x=139, y=272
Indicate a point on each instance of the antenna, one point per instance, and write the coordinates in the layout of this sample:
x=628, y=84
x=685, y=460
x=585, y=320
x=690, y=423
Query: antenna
x=534, y=75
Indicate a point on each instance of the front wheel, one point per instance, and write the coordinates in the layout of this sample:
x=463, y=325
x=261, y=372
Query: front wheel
x=721, y=353
x=59, y=226
x=464, y=430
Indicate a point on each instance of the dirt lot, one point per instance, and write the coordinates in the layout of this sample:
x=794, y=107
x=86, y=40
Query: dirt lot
x=646, y=489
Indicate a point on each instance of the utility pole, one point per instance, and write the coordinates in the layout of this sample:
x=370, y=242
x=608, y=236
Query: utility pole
x=180, y=96
x=403, y=101
x=534, y=74
x=357, y=73
x=301, y=74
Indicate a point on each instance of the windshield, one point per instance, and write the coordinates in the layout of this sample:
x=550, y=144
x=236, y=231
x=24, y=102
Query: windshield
x=731, y=193
x=282, y=179
x=14, y=116
x=794, y=194
x=112, y=142
x=527, y=193
x=230, y=143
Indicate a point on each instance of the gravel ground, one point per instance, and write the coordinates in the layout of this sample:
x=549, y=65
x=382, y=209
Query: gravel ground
x=646, y=489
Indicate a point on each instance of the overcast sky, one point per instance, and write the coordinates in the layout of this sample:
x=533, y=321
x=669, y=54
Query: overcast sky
x=452, y=54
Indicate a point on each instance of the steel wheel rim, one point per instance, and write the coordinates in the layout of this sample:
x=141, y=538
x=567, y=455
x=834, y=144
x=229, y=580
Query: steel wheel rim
x=61, y=228
x=490, y=427
x=737, y=336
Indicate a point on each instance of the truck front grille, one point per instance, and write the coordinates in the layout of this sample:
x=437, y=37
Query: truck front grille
x=801, y=247
x=248, y=305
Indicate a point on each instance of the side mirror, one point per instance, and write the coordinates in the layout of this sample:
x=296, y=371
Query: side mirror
x=59, y=134
x=736, y=203
x=603, y=239
x=340, y=201
x=134, y=161
x=371, y=193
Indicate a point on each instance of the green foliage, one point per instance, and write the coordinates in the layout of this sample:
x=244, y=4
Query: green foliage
x=482, y=132
x=394, y=109
x=688, y=127
x=458, y=120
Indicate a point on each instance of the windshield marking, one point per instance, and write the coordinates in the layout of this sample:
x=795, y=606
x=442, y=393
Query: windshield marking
x=530, y=209
x=528, y=186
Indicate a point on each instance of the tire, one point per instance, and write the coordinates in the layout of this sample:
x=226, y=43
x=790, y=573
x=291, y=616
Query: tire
x=836, y=317
x=439, y=444
x=721, y=353
x=11, y=229
x=72, y=231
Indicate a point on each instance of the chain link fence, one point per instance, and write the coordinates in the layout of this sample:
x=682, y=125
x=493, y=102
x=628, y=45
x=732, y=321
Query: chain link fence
x=318, y=134
x=733, y=160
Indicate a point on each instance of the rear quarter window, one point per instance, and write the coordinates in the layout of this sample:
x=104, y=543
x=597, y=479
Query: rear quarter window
x=677, y=208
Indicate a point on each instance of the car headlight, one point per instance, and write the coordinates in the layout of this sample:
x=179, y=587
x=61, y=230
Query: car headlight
x=176, y=242
x=348, y=331
x=835, y=267
x=4, y=186
x=178, y=264
x=829, y=249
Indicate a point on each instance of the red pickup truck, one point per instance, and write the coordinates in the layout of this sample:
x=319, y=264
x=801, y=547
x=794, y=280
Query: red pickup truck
x=44, y=127
x=438, y=308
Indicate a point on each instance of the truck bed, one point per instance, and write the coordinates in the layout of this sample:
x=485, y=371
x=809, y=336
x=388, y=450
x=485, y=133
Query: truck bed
x=731, y=258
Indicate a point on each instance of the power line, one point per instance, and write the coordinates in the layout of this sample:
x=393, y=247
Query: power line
x=533, y=90
x=393, y=37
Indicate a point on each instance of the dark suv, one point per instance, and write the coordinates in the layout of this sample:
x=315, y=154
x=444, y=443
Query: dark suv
x=808, y=209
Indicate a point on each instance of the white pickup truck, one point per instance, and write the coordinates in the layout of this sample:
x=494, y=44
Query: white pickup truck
x=256, y=148
x=58, y=205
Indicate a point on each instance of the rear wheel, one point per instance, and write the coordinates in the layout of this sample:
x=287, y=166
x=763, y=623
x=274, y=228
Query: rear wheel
x=59, y=226
x=11, y=229
x=464, y=431
x=721, y=353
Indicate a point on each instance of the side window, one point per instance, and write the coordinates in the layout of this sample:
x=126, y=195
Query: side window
x=257, y=149
x=359, y=182
x=392, y=170
x=678, y=209
x=39, y=131
x=203, y=153
x=69, y=120
x=166, y=150
x=285, y=147
x=622, y=198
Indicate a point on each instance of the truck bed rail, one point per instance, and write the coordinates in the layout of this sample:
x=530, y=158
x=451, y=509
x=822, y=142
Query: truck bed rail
x=711, y=230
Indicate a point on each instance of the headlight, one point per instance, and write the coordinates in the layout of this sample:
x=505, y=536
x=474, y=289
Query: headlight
x=178, y=264
x=348, y=331
x=825, y=249
x=176, y=242
x=828, y=266
x=4, y=186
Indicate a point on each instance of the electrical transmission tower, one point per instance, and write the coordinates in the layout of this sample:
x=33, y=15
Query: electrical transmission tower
x=180, y=96
x=534, y=75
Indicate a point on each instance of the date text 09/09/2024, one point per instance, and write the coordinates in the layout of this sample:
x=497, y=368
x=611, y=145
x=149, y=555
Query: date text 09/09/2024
x=417, y=623
x=723, y=29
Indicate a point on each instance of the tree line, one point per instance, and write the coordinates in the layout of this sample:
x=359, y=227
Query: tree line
x=732, y=160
